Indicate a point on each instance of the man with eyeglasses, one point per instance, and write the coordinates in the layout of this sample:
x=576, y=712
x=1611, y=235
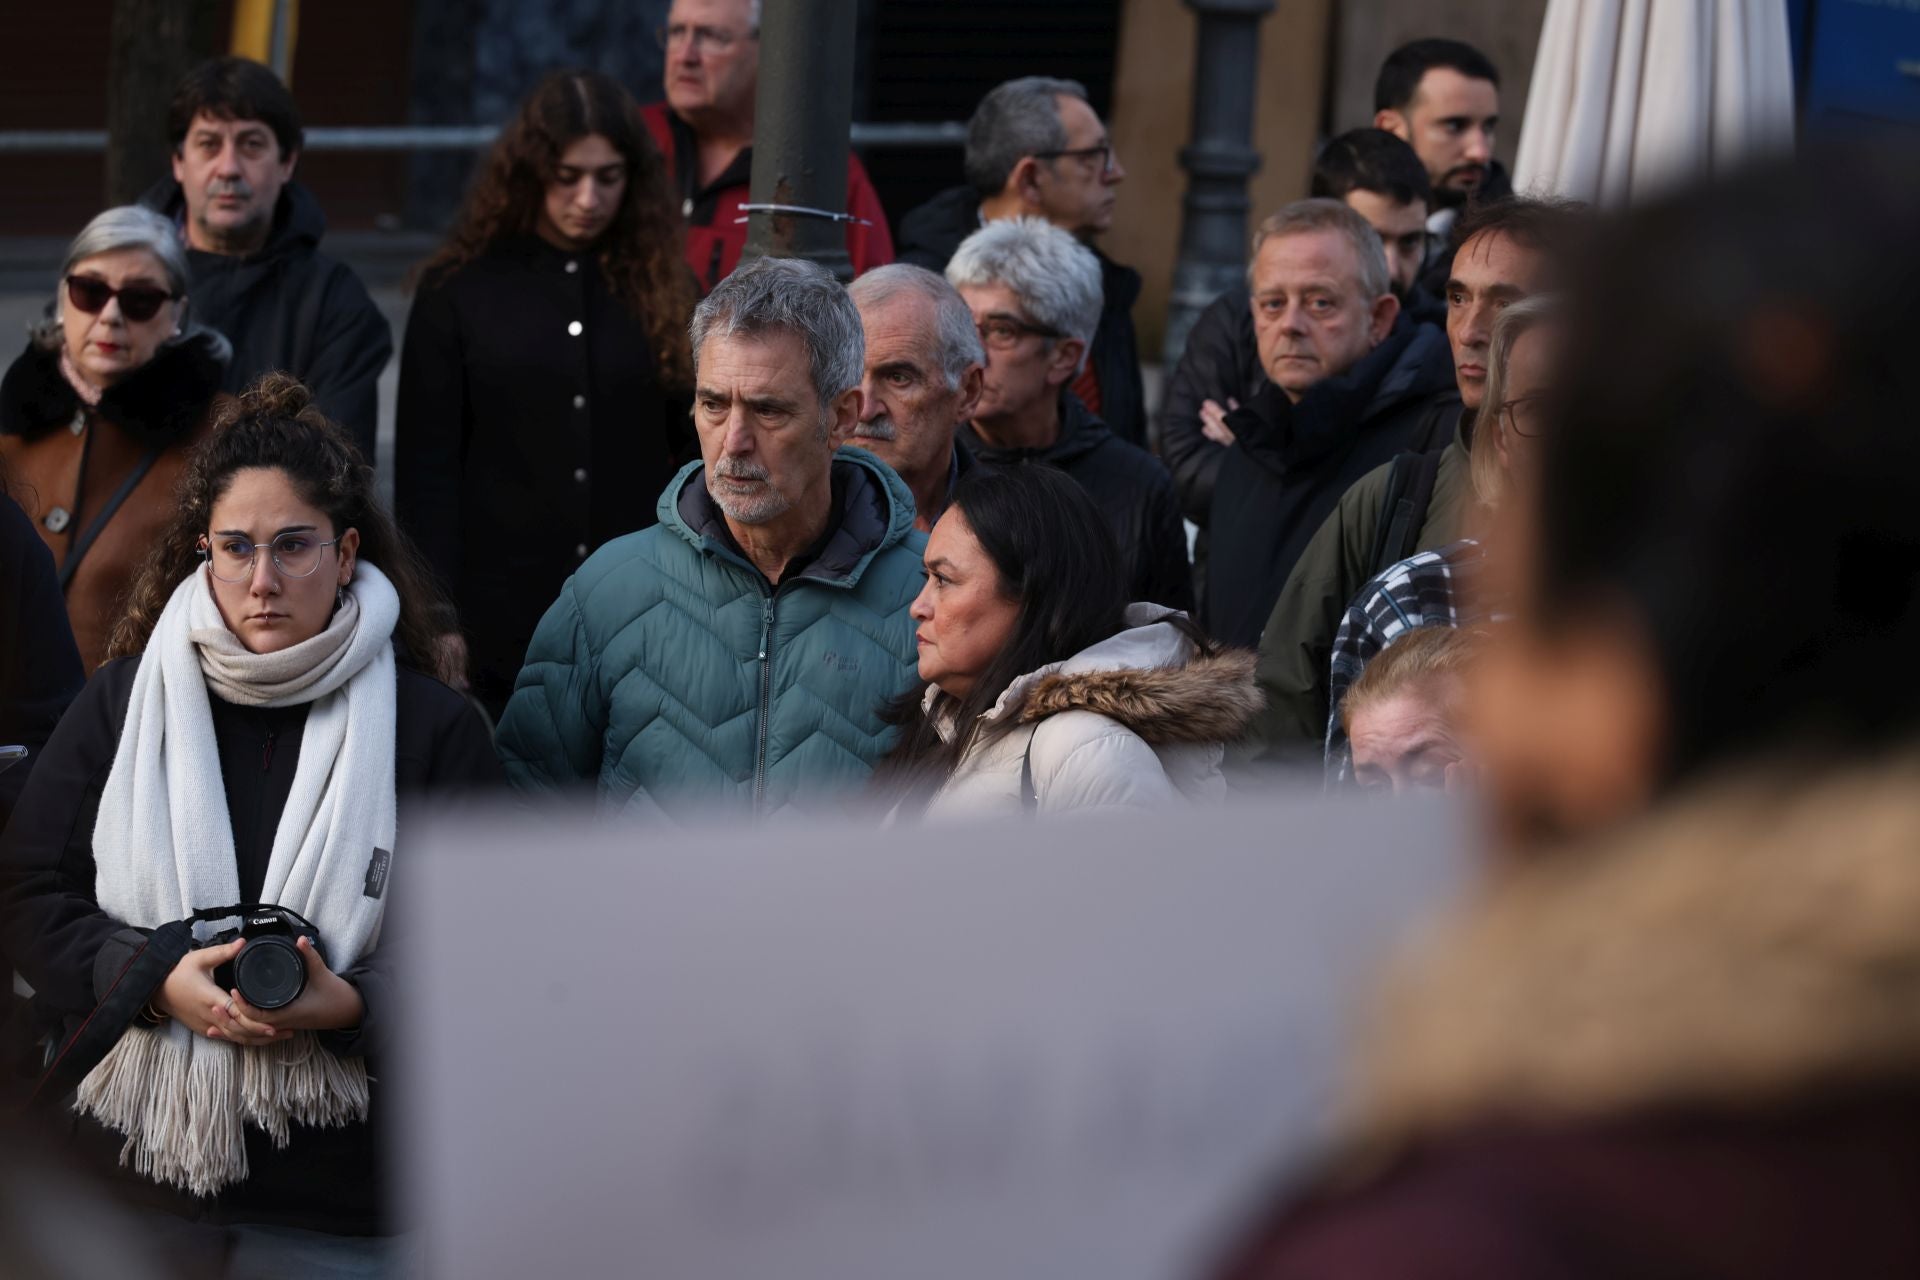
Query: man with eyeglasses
x=1036, y=148
x=704, y=128
x=1035, y=296
x=253, y=246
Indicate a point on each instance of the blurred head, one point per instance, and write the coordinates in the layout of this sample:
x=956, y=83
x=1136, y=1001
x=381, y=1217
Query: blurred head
x=1402, y=716
x=236, y=137
x=712, y=62
x=1522, y=361
x=778, y=355
x=1022, y=570
x=1719, y=563
x=1504, y=251
x=1380, y=178
x=122, y=294
x=275, y=468
x=1038, y=140
x=577, y=167
x=1034, y=292
x=1321, y=297
x=1443, y=98
x=924, y=366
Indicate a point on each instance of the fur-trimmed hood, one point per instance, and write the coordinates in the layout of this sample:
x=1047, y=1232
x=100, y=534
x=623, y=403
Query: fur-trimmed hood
x=1756, y=945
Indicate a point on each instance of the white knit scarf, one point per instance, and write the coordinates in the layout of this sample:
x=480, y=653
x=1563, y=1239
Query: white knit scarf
x=163, y=848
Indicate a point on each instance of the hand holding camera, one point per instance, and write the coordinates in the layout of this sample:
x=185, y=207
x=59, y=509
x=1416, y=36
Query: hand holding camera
x=259, y=982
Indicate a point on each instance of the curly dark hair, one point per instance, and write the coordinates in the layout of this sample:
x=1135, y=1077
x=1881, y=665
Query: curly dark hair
x=641, y=250
x=275, y=423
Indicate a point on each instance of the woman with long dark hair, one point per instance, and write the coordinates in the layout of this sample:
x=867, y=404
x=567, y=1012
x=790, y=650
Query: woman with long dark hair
x=545, y=380
x=1044, y=689
x=258, y=736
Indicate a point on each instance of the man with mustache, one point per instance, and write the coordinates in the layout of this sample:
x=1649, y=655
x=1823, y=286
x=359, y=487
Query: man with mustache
x=924, y=371
x=253, y=245
x=705, y=130
x=740, y=653
x=1506, y=250
x=1442, y=97
x=1036, y=148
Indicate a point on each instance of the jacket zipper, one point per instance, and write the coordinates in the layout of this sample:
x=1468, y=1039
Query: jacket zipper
x=766, y=701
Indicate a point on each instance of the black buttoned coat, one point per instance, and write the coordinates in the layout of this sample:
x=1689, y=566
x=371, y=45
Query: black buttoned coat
x=531, y=427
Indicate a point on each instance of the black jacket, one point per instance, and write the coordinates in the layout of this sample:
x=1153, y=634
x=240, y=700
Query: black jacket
x=70, y=950
x=520, y=447
x=292, y=308
x=39, y=665
x=1290, y=463
x=930, y=234
x=1130, y=486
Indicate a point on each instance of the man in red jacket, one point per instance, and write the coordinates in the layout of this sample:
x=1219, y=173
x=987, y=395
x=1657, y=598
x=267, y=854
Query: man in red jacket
x=705, y=130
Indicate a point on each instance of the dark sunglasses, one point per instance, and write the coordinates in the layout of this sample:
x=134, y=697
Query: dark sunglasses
x=137, y=301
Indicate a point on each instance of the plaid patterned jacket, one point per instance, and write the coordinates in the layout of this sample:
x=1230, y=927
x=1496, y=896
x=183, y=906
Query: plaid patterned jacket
x=1431, y=589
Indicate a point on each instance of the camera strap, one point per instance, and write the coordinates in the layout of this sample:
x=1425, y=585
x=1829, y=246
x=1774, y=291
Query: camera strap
x=123, y=1001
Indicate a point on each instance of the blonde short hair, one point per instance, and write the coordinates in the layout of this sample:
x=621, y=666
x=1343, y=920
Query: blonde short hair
x=1420, y=657
x=1483, y=461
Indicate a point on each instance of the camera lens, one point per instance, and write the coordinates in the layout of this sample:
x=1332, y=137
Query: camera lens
x=270, y=973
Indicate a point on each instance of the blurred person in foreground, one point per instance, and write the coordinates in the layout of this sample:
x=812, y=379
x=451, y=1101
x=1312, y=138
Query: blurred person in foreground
x=1405, y=711
x=1036, y=148
x=1043, y=689
x=736, y=656
x=1449, y=586
x=1677, y=1031
x=253, y=245
x=925, y=368
x=98, y=415
x=545, y=379
x=1035, y=296
x=262, y=736
x=704, y=128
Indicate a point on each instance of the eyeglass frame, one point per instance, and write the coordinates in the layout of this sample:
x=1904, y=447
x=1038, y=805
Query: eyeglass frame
x=75, y=281
x=253, y=556
x=1025, y=329
x=706, y=39
x=1104, y=151
x=1512, y=420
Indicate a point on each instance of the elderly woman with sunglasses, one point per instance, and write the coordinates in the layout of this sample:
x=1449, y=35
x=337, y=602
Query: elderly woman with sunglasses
x=97, y=415
x=253, y=749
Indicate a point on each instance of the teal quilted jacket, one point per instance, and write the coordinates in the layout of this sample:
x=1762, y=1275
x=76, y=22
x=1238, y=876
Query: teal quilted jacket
x=674, y=677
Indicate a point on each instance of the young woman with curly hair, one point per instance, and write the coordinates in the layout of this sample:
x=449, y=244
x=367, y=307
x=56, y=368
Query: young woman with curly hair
x=545, y=381
x=259, y=735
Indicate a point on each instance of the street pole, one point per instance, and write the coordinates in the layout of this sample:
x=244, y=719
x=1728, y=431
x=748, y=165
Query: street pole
x=800, y=124
x=1219, y=159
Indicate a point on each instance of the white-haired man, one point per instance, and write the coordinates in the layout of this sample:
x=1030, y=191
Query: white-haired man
x=1035, y=296
x=924, y=373
x=739, y=653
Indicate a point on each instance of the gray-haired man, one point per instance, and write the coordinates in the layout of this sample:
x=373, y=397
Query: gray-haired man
x=739, y=653
x=1037, y=149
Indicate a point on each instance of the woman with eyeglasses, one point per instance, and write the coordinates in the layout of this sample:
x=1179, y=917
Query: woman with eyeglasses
x=260, y=735
x=97, y=415
x=545, y=381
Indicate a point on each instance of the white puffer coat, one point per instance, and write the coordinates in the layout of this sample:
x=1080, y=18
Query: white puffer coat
x=1136, y=722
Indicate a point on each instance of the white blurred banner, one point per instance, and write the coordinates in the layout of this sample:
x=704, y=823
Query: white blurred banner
x=1631, y=98
x=835, y=1052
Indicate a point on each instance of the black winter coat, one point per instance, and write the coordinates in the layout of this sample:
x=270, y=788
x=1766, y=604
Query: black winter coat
x=930, y=234
x=1131, y=488
x=1290, y=463
x=39, y=665
x=531, y=428
x=71, y=951
x=292, y=308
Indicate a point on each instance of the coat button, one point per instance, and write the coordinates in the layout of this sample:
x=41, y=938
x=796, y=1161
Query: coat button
x=576, y=328
x=58, y=519
x=572, y=266
x=581, y=551
x=579, y=402
x=580, y=475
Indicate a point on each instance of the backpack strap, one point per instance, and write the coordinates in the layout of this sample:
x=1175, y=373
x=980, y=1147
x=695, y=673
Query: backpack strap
x=78, y=552
x=1403, y=511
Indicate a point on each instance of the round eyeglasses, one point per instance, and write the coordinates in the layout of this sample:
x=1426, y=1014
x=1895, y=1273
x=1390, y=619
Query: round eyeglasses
x=231, y=559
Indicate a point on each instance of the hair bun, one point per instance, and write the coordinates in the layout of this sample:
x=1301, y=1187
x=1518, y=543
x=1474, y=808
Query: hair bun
x=275, y=395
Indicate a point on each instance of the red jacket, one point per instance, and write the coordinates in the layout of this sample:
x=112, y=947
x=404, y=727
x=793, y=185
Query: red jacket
x=715, y=238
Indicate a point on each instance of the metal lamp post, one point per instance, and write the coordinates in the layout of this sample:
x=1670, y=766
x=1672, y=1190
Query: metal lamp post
x=800, y=124
x=1219, y=159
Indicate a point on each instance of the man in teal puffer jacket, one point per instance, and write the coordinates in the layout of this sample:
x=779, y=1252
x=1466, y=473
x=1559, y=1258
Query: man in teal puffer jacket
x=738, y=654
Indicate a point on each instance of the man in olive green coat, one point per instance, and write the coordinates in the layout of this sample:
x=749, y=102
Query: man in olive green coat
x=737, y=656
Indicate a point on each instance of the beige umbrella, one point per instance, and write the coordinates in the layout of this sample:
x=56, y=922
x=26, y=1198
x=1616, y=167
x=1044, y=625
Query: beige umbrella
x=1632, y=97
